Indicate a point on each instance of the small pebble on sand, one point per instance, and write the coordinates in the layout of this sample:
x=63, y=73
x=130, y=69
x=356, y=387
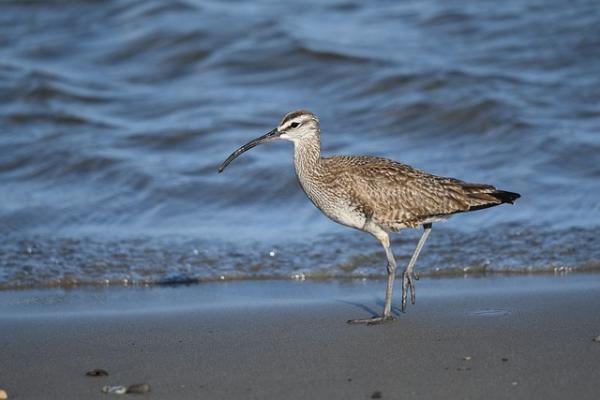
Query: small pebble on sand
x=514, y=383
x=504, y=359
x=376, y=395
x=114, y=389
x=3, y=395
x=597, y=339
x=96, y=373
x=138, y=388
x=467, y=358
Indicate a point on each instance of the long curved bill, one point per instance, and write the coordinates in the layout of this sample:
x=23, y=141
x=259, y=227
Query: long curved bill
x=268, y=137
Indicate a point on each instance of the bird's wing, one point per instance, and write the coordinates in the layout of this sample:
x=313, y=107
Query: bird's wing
x=397, y=193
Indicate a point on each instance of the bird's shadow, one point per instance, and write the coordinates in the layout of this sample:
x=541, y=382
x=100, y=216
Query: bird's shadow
x=395, y=310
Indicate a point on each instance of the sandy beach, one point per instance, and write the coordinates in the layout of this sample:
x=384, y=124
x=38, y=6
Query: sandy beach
x=493, y=338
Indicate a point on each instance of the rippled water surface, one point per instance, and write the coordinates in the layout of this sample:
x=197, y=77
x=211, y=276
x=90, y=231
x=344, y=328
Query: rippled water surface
x=115, y=114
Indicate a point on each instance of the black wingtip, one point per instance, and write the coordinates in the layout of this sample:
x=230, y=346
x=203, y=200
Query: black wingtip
x=501, y=195
x=506, y=197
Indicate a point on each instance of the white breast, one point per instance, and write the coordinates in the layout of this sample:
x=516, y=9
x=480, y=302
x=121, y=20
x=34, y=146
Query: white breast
x=346, y=216
x=337, y=208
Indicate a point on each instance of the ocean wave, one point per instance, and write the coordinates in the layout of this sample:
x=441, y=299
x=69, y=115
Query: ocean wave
x=44, y=261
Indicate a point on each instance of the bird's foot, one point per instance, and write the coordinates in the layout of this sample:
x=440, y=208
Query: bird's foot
x=372, y=321
x=408, y=283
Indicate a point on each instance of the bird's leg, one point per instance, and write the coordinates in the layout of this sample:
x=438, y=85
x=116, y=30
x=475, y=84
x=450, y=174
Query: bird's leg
x=391, y=270
x=408, y=275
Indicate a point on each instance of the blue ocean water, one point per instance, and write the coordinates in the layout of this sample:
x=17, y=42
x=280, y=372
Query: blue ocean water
x=114, y=116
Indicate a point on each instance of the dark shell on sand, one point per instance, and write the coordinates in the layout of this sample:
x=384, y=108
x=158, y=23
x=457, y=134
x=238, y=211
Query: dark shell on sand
x=96, y=373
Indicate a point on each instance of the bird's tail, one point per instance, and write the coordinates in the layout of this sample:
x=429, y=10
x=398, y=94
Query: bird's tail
x=485, y=196
x=506, y=197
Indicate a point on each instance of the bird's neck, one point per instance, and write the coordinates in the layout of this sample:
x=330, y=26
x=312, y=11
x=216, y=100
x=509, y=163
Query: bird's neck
x=307, y=155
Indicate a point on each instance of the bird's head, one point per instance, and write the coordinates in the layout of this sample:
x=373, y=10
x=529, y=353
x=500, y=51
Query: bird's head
x=298, y=125
x=295, y=126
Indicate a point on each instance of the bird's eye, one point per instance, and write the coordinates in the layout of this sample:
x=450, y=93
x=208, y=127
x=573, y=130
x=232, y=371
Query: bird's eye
x=294, y=124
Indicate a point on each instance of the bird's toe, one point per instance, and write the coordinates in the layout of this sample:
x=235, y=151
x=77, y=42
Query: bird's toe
x=408, y=284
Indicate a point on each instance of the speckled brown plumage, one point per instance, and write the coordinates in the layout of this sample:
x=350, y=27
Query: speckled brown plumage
x=391, y=194
x=397, y=195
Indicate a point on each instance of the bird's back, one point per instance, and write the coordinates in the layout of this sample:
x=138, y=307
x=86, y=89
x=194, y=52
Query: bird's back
x=393, y=194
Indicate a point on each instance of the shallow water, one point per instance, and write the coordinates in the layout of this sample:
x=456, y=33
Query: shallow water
x=20, y=305
x=114, y=116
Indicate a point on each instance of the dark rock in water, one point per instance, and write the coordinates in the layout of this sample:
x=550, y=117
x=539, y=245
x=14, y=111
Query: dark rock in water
x=96, y=373
x=376, y=395
x=138, y=388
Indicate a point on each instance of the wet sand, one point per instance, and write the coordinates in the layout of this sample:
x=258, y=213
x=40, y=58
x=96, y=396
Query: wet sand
x=493, y=338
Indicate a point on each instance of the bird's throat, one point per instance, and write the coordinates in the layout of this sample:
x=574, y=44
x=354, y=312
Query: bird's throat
x=307, y=154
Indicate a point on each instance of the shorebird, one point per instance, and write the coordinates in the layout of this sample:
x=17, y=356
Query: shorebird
x=375, y=195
